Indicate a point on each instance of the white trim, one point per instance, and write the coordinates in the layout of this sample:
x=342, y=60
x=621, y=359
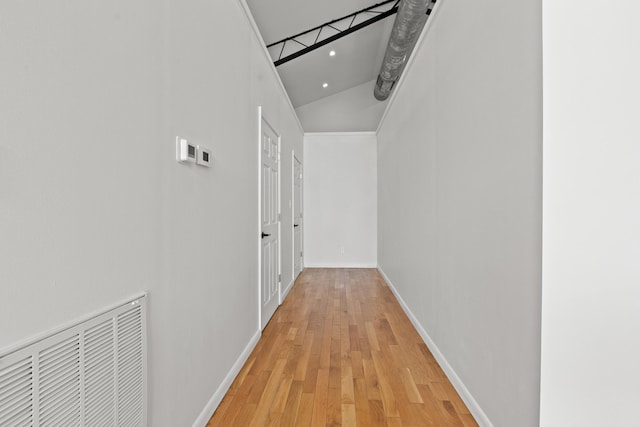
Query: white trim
x=364, y=133
x=295, y=158
x=278, y=203
x=293, y=214
x=259, y=230
x=341, y=265
x=256, y=31
x=68, y=325
x=421, y=39
x=287, y=289
x=215, y=400
x=477, y=412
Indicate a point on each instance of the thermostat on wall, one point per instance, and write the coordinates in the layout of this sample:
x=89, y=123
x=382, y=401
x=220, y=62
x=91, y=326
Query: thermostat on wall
x=185, y=151
x=204, y=156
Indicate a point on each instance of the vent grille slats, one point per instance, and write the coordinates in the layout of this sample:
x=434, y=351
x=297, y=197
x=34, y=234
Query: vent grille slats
x=23, y=418
x=90, y=374
x=15, y=372
x=16, y=393
x=102, y=414
x=130, y=361
x=99, y=375
x=65, y=415
x=14, y=409
x=59, y=367
x=15, y=388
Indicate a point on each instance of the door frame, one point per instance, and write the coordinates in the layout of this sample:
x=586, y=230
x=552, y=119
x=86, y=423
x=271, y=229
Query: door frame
x=262, y=118
x=295, y=158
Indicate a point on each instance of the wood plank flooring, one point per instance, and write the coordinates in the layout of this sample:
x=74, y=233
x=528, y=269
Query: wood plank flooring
x=340, y=351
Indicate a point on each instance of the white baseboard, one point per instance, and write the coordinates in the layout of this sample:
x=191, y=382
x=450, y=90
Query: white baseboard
x=474, y=407
x=342, y=265
x=215, y=400
x=287, y=289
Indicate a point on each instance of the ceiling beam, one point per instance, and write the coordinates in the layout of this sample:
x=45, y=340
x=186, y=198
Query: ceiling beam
x=304, y=48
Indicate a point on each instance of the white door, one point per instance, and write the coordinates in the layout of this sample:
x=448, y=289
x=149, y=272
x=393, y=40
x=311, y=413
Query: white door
x=297, y=217
x=269, y=220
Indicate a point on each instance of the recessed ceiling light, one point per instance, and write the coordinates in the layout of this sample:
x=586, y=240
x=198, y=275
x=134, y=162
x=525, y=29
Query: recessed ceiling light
x=332, y=53
x=325, y=85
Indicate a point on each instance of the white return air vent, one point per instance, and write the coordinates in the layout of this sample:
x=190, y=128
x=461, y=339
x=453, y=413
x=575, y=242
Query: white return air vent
x=90, y=374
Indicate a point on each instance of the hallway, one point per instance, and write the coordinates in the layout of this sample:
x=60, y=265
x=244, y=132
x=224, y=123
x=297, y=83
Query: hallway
x=340, y=351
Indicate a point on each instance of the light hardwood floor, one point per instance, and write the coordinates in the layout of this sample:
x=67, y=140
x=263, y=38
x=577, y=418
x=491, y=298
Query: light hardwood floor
x=340, y=351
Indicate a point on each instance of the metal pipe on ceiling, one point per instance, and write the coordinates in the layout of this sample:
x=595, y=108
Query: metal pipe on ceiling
x=411, y=17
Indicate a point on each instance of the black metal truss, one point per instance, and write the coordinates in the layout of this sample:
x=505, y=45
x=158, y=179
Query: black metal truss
x=388, y=7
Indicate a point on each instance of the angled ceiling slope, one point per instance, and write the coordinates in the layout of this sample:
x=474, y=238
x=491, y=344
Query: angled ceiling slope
x=293, y=47
x=357, y=56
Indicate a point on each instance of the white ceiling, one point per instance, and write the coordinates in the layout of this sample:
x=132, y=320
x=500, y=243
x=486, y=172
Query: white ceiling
x=358, y=55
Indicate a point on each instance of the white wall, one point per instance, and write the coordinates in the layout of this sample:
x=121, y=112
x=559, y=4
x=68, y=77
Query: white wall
x=591, y=268
x=352, y=110
x=459, y=200
x=93, y=206
x=340, y=199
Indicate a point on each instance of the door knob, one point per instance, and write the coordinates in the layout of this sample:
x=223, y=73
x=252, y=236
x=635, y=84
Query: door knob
x=296, y=225
x=265, y=235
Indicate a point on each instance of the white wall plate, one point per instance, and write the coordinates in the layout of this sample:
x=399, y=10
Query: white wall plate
x=204, y=156
x=185, y=151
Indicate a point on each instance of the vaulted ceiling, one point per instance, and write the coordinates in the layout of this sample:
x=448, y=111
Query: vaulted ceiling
x=357, y=58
